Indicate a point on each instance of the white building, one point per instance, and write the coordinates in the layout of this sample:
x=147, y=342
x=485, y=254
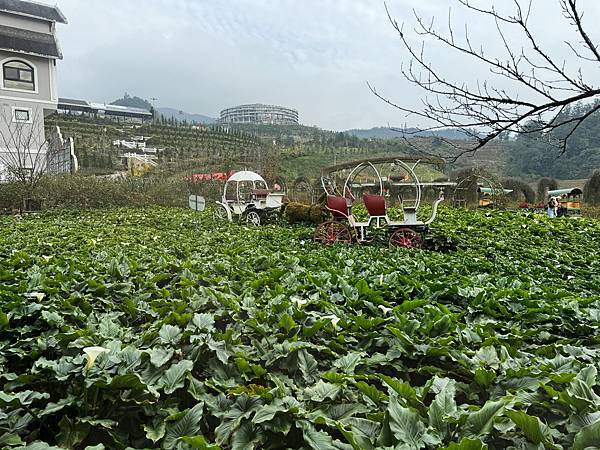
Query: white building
x=28, y=82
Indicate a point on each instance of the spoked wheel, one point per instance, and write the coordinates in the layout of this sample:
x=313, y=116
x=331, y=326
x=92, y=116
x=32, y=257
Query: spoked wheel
x=220, y=213
x=407, y=238
x=333, y=232
x=252, y=218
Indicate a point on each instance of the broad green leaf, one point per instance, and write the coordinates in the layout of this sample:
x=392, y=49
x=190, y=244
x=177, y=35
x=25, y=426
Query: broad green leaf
x=467, y=444
x=410, y=305
x=204, y=322
x=581, y=396
x=241, y=411
x=307, y=365
x=12, y=439
x=484, y=377
x=267, y=412
x=130, y=381
x=199, y=443
x=531, y=426
x=71, y=433
x=245, y=437
x=321, y=391
x=488, y=357
x=220, y=350
x=287, y=323
x=189, y=425
x=155, y=433
x=169, y=334
x=371, y=391
x=406, y=425
x=316, y=440
x=160, y=355
x=174, y=376
x=38, y=445
x=348, y=362
x=404, y=390
x=23, y=398
x=588, y=375
x=588, y=437
x=480, y=422
x=443, y=407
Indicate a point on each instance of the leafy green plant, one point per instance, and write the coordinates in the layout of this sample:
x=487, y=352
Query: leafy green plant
x=161, y=328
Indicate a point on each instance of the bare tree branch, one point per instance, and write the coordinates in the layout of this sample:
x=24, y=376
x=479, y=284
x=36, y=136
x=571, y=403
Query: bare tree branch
x=485, y=110
x=22, y=149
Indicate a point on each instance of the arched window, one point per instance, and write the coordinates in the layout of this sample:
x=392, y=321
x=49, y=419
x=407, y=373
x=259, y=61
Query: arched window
x=18, y=75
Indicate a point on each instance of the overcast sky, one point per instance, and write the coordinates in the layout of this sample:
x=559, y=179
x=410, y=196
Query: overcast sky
x=202, y=56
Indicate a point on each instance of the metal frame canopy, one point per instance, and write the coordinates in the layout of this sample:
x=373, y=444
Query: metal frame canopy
x=406, y=163
x=440, y=162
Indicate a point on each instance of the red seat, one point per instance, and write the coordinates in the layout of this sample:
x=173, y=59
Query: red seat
x=375, y=204
x=338, y=206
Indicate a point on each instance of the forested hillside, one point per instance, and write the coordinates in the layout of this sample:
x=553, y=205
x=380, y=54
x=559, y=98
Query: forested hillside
x=536, y=154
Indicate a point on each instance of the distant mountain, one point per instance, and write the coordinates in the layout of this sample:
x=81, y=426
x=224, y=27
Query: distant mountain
x=132, y=102
x=388, y=133
x=180, y=116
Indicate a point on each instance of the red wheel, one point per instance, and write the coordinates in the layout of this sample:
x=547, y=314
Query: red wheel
x=333, y=232
x=407, y=238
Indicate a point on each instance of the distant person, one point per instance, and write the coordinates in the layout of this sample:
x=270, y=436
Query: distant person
x=552, y=207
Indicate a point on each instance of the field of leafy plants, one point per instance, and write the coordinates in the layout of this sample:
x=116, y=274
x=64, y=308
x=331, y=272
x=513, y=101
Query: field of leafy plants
x=160, y=328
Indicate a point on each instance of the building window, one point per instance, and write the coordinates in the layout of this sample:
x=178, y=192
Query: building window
x=22, y=115
x=18, y=75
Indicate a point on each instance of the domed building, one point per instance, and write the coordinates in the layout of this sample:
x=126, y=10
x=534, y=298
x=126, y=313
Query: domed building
x=260, y=114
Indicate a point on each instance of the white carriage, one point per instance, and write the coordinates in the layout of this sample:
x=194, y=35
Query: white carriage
x=344, y=227
x=247, y=197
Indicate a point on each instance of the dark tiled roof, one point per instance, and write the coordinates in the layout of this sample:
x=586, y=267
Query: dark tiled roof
x=17, y=39
x=69, y=101
x=32, y=9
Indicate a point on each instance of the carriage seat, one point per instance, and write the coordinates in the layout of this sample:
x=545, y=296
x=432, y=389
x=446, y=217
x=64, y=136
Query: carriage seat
x=375, y=205
x=338, y=207
x=260, y=194
x=410, y=214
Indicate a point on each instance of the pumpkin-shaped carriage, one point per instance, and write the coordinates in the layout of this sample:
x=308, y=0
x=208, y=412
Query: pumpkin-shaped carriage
x=247, y=197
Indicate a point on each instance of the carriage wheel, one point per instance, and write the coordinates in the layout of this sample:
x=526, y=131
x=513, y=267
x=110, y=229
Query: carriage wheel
x=253, y=218
x=333, y=232
x=220, y=213
x=407, y=238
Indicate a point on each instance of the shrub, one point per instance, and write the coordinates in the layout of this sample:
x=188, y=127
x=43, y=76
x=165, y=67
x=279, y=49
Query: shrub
x=545, y=185
x=300, y=213
x=591, y=189
x=520, y=190
x=76, y=191
x=467, y=183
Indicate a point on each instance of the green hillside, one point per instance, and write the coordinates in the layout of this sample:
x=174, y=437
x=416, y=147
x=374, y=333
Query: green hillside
x=182, y=149
x=293, y=151
x=274, y=150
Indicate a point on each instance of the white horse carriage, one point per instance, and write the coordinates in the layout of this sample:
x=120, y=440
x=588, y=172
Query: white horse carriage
x=247, y=197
